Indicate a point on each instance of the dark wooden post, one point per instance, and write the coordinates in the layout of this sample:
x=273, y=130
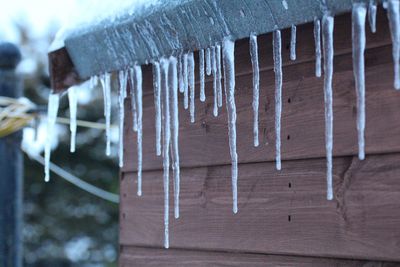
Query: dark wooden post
x=10, y=167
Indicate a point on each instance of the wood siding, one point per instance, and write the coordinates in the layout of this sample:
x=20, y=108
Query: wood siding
x=284, y=212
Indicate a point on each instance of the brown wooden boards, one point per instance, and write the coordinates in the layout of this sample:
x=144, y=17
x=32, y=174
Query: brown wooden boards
x=135, y=256
x=206, y=141
x=282, y=212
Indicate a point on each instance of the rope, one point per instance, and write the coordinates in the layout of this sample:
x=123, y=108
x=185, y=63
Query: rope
x=77, y=181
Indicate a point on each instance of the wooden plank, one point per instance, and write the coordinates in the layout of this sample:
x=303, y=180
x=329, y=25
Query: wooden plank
x=135, y=256
x=282, y=212
x=206, y=142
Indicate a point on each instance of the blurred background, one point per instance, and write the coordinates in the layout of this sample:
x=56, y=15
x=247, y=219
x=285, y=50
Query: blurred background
x=63, y=225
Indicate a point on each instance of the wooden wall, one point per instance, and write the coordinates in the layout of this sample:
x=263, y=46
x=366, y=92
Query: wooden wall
x=284, y=218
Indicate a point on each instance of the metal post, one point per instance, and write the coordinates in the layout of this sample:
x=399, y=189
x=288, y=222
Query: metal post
x=10, y=167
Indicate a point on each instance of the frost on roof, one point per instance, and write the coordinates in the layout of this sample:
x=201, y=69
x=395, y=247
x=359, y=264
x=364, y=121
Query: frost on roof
x=93, y=14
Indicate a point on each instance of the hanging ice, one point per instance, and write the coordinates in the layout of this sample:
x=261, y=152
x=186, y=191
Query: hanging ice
x=191, y=84
x=73, y=103
x=293, y=43
x=173, y=87
x=185, y=73
x=133, y=99
x=219, y=75
x=256, y=84
x=359, y=14
x=372, y=8
x=393, y=13
x=166, y=142
x=52, y=110
x=201, y=75
x=277, y=51
x=157, y=104
x=214, y=73
x=139, y=107
x=327, y=41
x=208, y=61
x=317, y=40
x=106, y=83
x=180, y=73
x=123, y=80
x=229, y=80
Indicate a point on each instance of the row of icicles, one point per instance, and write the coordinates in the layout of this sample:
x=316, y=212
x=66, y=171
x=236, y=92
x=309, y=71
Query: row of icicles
x=178, y=73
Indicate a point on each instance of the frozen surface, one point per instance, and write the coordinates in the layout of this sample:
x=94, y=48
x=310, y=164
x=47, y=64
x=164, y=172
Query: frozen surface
x=106, y=84
x=277, y=51
x=219, y=74
x=229, y=80
x=123, y=81
x=214, y=73
x=185, y=77
x=52, y=110
x=191, y=79
x=256, y=85
x=393, y=12
x=73, y=105
x=359, y=14
x=327, y=41
x=208, y=61
x=372, y=8
x=201, y=75
x=293, y=42
x=317, y=41
x=139, y=107
x=157, y=104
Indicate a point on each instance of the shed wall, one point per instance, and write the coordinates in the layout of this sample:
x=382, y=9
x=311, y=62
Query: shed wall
x=283, y=212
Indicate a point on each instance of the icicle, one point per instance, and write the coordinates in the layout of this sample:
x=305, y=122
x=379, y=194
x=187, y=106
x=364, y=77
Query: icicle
x=175, y=132
x=73, y=103
x=219, y=75
x=317, y=40
x=166, y=142
x=123, y=80
x=293, y=43
x=229, y=80
x=214, y=72
x=133, y=99
x=208, y=61
x=157, y=104
x=256, y=84
x=180, y=67
x=359, y=13
x=139, y=107
x=277, y=51
x=372, y=8
x=201, y=75
x=52, y=110
x=191, y=84
x=185, y=74
x=327, y=41
x=393, y=13
x=106, y=83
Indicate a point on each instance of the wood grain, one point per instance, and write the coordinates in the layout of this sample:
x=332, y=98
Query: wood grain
x=205, y=142
x=134, y=256
x=282, y=212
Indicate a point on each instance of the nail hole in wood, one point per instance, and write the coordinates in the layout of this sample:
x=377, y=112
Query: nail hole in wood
x=289, y=218
x=288, y=137
x=289, y=100
x=290, y=185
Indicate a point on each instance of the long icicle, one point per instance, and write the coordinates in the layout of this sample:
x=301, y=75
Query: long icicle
x=139, y=107
x=175, y=132
x=202, y=76
x=372, y=8
x=229, y=80
x=277, y=51
x=166, y=141
x=214, y=73
x=133, y=99
x=106, y=83
x=123, y=80
x=191, y=79
x=393, y=13
x=256, y=85
x=185, y=73
x=208, y=61
x=317, y=41
x=73, y=103
x=327, y=41
x=293, y=42
x=157, y=104
x=52, y=110
x=359, y=14
x=219, y=74
x=180, y=73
